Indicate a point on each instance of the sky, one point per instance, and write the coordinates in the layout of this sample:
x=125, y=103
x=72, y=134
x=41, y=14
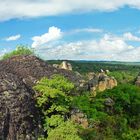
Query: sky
x=72, y=29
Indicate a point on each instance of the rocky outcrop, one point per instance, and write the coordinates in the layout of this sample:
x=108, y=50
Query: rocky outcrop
x=64, y=65
x=30, y=69
x=101, y=82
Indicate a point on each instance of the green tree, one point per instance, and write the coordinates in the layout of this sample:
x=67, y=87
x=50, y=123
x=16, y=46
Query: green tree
x=55, y=102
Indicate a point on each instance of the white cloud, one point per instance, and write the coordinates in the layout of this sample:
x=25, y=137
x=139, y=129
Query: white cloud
x=107, y=48
x=130, y=37
x=90, y=30
x=3, y=51
x=34, y=8
x=54, y=33
x=13, y=38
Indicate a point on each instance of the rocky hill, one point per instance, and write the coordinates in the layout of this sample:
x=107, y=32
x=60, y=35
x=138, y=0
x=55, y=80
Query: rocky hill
x=19, y=117
x=17, y=106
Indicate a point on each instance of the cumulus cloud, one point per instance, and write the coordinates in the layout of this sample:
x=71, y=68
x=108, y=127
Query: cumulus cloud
x=54, y=33
x=13, y=38
x=130, y=37
x=34, y=8
x=107, y=48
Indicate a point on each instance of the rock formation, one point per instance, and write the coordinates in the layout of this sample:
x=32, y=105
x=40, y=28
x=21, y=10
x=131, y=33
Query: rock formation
x=100, y=82
x=64, y=65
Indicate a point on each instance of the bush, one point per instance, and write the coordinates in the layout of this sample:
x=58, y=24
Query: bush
x=20, y=50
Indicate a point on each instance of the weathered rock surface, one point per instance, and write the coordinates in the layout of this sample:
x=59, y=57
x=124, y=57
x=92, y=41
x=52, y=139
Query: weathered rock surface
x=18, y=114
x=101, y=82
x=31, y=69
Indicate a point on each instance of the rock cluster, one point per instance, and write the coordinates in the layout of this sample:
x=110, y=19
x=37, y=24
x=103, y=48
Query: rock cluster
x=101, y=82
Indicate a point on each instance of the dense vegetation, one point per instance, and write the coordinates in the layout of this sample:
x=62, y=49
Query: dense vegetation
x=55, y=102
x=112, y=115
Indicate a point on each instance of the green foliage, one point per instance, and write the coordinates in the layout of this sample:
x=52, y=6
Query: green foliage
x=114, y=121
x=53, y=122
x=65, y=131
x=20, y=50
x=55, y=102
x=123, y=77
x=55, y=95
x=131, y=135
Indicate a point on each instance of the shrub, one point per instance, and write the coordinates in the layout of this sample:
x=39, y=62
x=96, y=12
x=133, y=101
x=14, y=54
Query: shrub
x=20, y=50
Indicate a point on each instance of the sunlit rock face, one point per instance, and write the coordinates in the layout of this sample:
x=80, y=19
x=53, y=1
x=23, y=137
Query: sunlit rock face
x=101, y=82
x=64, y=65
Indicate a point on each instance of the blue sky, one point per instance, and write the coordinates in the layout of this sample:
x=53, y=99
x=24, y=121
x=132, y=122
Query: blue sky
x=91, y=30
